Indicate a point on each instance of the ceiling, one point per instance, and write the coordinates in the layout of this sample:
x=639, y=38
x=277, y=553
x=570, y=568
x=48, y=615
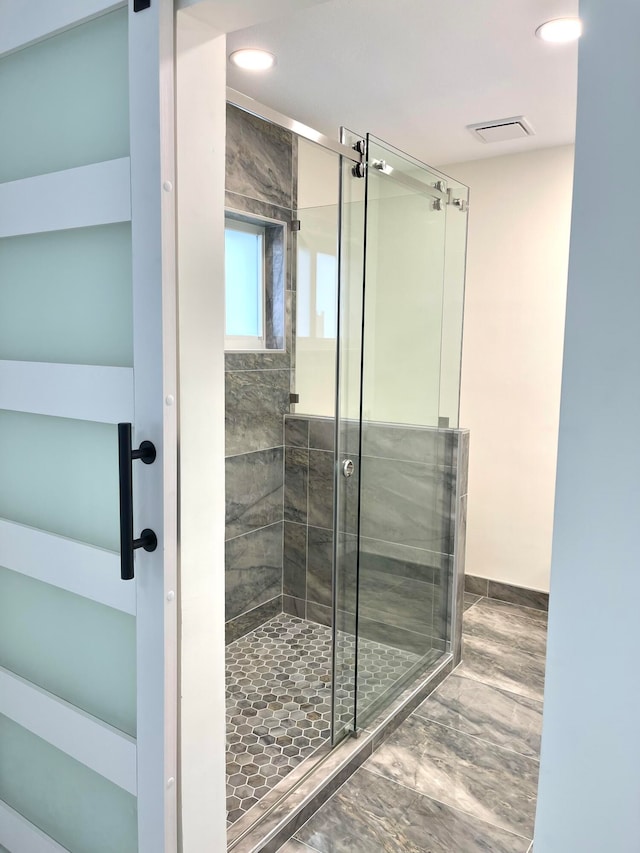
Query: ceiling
x=417, y=72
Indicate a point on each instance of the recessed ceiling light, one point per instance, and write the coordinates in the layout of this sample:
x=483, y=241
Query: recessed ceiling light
x=560, y=30
x=252, y=59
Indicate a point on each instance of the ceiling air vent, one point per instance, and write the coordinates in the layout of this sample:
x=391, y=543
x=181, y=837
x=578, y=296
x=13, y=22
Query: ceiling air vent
x=502, y=129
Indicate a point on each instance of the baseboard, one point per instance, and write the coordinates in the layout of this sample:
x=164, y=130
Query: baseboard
x=506, y=592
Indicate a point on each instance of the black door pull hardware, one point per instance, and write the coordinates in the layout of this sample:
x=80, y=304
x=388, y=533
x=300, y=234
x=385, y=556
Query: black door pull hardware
x=148, y=539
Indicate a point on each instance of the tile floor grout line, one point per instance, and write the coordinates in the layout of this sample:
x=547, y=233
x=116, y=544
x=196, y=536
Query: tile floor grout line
x=503, y=645
x=513, y=604
x=508, y=607
x=471, y=606
x=328, y=800
x=475, y=737
x=487, y=684
x=525, y=622
x=442, y=802
x=468, y=677
x=491, y=684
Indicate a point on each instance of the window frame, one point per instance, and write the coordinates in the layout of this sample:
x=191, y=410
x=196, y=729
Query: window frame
x=267, y=227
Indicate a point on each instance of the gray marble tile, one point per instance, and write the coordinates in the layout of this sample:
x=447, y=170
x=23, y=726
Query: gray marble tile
x=504, y=667
x=463, y=462
x=275, y=250
x=321, y=488
x=296, y=431
x=294, y=567
x=402, y=561
x=252, y=619
x=258, y=156
x=460, y=548
x=322, y=433
x=400, y=602
x=407, y=443
x=475, y=585
x=371, y=814
x=519, y=595
x=294, y=606
x=470, y=600
x=255, y=404
x=254, y=490
x=318, y=613
x=296, y=479
x=319, y=565
x=391, y=635
x=541, y=616
x=263, y=360
x=504, y=719
x=253, y=569
x=483, y=780
x=349, y=499
x=346, y=571
x=406, y=502
x=431, y=674
x=510, y=629
x=245, y=204
x=294, y=846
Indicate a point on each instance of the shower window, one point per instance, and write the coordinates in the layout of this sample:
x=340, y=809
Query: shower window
x=255, y=250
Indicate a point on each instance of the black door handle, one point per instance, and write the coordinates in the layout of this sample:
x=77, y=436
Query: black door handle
x=148, y=539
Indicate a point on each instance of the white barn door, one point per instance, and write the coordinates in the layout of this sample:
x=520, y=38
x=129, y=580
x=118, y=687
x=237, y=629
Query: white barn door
x=87, y=341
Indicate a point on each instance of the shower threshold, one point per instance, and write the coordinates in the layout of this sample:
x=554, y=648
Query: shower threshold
x=280, y=765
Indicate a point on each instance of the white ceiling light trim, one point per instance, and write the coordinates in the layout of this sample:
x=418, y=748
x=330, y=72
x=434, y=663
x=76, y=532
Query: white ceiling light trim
x=560, y=30
x=252, y=59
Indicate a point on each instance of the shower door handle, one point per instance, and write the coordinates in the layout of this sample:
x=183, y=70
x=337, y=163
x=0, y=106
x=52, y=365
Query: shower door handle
x=148, y=539
x=348, y=468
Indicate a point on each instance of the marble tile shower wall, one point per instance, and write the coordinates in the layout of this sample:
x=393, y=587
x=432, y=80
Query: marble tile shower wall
x=261, y=179
x=412, y=529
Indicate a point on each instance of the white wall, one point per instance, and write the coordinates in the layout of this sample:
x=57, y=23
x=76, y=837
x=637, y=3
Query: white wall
x=518, y=252
x=589, y=797
x=201, y=90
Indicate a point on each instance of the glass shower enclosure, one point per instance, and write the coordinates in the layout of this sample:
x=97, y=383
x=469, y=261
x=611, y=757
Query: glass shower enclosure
x=375, y=259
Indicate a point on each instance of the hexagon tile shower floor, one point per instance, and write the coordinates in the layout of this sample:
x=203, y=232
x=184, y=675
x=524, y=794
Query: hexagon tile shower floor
x=279, y=699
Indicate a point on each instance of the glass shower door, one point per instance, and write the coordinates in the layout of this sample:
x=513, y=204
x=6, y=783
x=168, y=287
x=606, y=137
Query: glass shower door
x=404, y=528
x=347, y=443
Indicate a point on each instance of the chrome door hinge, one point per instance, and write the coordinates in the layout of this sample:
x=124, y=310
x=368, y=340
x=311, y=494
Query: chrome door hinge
x=295, y=224
x=461, y=203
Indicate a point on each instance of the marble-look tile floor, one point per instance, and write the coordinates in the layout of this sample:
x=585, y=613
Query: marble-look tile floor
x=279, y=699
x=460, y=774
